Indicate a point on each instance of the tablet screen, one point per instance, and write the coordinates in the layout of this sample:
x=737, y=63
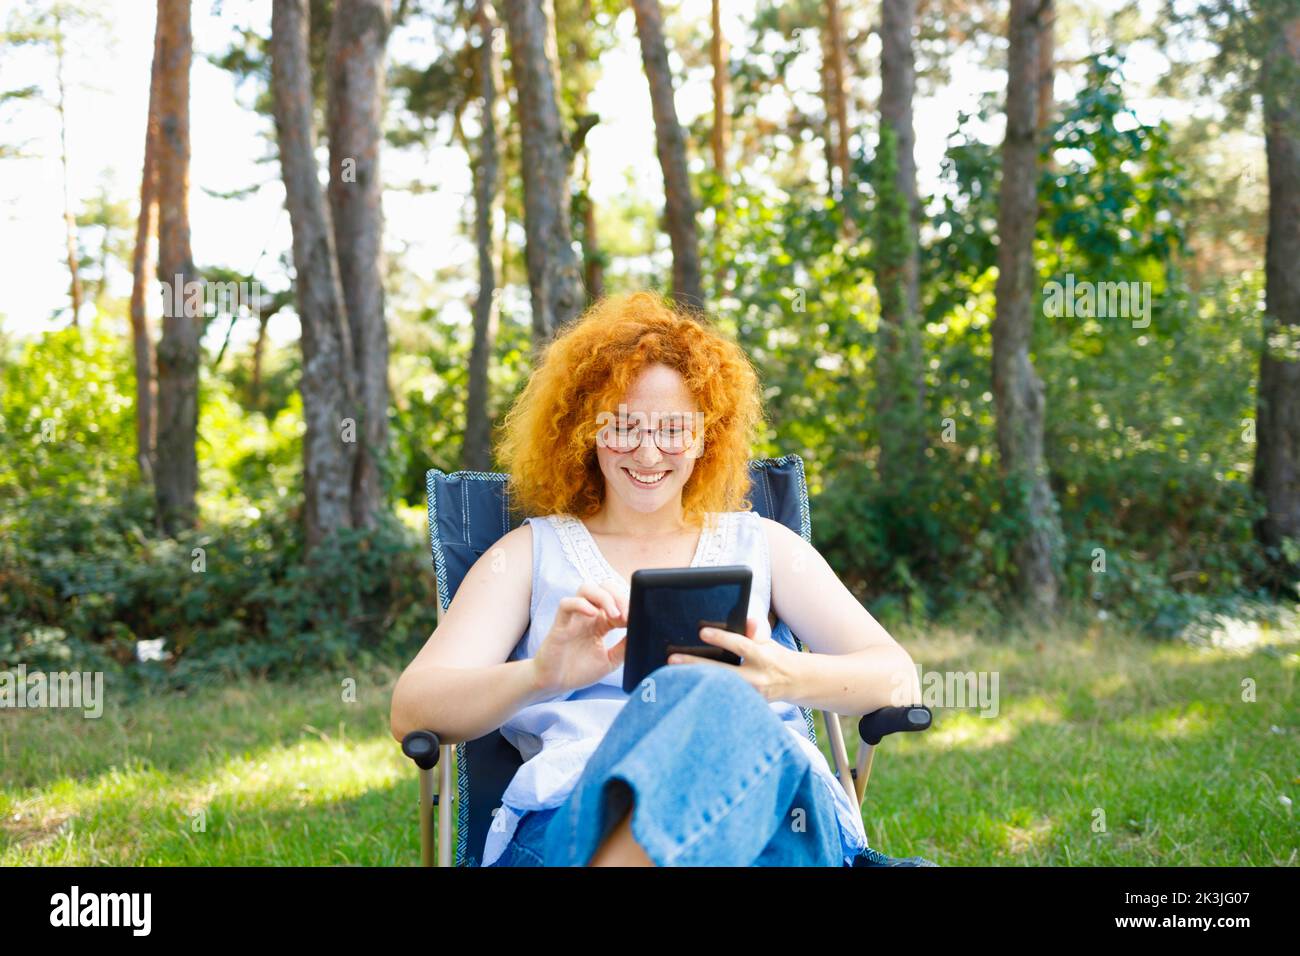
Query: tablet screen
x=670, y=605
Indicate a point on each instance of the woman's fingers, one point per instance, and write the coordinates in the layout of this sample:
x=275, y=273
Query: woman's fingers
x=728, y=640
x=692, y=659
x=601, y=597
x=618, y=652
x=578, y=605
x=623, y=596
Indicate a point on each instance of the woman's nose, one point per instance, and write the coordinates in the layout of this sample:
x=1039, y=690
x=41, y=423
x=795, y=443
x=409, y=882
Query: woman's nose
x=647, y=453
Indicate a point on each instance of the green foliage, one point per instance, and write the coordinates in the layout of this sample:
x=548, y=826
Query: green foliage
x=82, y=586
x=1145, y=433
x=1145, y=425
x=1241, y=35
x=83, y=578
x=428, y=423
x=67, y=424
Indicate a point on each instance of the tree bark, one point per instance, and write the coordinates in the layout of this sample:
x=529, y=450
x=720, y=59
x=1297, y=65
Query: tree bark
x=355, y=108
x=259, y=351
x=140, y=265
x=1046, y=66
x=176, y=462
x=901, y=363
x=593, y=270
x=1018, y=392
x=897, y=90
x=721, y=133
x=838, y=105
x=679, y=207
x=828, y=124
x=593, y=260
x=327, y=384
x=720, y=139
x=554, y=276
x=477, y=454
x=1277, y=434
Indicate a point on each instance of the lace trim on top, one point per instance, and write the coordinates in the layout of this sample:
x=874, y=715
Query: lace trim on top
x=716, y=539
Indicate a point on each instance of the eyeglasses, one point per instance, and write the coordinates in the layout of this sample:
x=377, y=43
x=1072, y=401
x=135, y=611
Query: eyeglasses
x=671, y=437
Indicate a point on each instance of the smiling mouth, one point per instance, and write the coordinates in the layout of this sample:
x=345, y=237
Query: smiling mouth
x=662, y=475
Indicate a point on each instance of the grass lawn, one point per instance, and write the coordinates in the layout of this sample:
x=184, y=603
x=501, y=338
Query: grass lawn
x=1106, y=750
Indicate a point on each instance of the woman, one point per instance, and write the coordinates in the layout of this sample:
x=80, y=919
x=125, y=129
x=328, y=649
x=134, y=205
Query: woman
x=631, y=440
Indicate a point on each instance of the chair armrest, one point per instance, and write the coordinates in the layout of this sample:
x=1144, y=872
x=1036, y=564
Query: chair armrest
x=422, y=746
x=892, y=720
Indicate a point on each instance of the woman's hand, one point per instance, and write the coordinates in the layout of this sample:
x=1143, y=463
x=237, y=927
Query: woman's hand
x=767, y=666
x=573, y=654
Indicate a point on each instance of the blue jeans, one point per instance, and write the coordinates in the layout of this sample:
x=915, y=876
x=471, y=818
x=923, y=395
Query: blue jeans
x=711, y=774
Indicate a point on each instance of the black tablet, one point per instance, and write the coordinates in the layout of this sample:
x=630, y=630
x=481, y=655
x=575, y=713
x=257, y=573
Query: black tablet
x=668, y=606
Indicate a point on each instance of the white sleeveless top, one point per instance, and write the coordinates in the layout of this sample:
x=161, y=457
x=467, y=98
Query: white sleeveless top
x=556, y=736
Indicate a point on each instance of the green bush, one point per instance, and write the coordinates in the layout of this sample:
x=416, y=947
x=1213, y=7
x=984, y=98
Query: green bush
x=83, y=586
x=83, y=576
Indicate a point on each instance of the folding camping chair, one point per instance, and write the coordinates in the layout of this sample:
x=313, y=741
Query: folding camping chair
x=469, y=511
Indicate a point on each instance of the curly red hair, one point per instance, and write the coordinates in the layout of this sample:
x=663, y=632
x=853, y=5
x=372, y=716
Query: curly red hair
x=548, y=438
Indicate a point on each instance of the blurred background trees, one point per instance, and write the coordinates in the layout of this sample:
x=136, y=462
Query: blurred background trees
x=973, y=451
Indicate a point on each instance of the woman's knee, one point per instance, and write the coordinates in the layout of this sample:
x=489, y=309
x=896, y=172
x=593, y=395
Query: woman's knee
x=690, y=700
x=716, y=687
x=722, y=680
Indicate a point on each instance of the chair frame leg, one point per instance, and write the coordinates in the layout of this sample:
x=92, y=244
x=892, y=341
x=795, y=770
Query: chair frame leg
x=835, y=734
x=426, y=817
x=866, y=753
x=441, y=815
x=446, y=805
x=435, y=824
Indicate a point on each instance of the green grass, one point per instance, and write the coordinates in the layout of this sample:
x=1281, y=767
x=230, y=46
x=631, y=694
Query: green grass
x=1155, y=737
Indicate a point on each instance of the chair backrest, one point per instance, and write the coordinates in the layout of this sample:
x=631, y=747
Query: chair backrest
x=469, y=511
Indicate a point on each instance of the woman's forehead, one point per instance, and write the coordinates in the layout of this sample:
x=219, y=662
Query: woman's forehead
x=659, y=388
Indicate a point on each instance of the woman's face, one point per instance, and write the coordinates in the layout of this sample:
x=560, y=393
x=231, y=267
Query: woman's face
x=657, y=397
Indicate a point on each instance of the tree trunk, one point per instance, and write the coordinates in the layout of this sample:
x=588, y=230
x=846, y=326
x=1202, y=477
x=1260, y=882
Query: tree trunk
x=140, y=265
x=593, y=264
x=897, y=89
x=721, y=134
x=593, y=269
x=828, y=124
x=720, y=140
x=355, y=107
x=477, y=454
x=176, y=462
x=1046, y=66
x=679, y=207
x=554, y=276
x=259, y=351
x=1018, y=392
x=327, y=384
x=1277, y=434
x=69, y=218
x=901, y=379
x=838, y=107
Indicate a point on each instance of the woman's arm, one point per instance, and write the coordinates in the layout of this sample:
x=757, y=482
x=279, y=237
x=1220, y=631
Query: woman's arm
x=460, y=685
x=855, y=666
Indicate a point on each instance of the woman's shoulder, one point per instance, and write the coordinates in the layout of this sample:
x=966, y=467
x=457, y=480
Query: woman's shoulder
x=554, y=520
x=518, y=540
x=754, y=519
x=781, y=541
x=740, y=531
x=730, y=523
